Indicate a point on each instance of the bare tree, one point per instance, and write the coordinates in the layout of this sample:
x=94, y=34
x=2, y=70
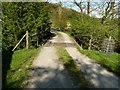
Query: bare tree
x=79, y=4
x=112, y=8
x=109, y=10
x=86, y=7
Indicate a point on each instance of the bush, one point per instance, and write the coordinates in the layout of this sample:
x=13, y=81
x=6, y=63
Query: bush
x=19, y=17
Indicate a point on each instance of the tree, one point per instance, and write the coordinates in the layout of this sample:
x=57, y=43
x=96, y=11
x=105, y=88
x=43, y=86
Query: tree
x=19, y=17
x=109, y=10
x=79, y=5
x=82, y=5
x=88, y=7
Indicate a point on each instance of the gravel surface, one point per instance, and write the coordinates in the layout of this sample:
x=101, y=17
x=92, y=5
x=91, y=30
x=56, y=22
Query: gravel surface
x=96, y=74
x=47, y=71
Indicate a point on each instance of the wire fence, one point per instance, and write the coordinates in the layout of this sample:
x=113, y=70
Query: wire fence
x=108, y=45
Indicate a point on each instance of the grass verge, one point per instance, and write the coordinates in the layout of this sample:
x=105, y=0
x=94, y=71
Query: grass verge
x=71, y=67
x=109, y=61
x=21, y=61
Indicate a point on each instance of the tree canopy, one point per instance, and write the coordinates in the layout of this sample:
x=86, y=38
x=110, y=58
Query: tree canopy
x=19, y=17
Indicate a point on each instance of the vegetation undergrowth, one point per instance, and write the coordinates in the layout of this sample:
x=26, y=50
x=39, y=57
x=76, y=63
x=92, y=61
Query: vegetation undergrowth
x=109, y=61
x=21, y=61
x=71, y=67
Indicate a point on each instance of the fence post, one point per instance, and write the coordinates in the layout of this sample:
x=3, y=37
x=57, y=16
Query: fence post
x=90, y=43
x=26, y=39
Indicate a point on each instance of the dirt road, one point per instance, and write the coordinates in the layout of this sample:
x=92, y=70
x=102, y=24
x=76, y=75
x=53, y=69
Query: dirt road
x=47, y=71
x=96, y=74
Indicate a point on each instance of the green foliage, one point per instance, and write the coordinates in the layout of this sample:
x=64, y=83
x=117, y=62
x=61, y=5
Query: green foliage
x=19, y=17
x=82, y=29
x=110, y=61
x=83, y=26
x=59, y=20
x=21, y=61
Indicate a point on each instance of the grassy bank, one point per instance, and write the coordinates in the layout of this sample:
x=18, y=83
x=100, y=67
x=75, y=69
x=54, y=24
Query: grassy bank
x=71, y=67
x=109, y=61
x=21, y=61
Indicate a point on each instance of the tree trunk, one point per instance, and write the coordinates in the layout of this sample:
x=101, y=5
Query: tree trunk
x=60, y=15
x=26, y=39
x=79, y=5
x=88, y=7
x=108, y=9
x=112, y=7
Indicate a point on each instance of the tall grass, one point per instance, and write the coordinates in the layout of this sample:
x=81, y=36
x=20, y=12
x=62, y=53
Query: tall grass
x=109, y=61
x=19, y=67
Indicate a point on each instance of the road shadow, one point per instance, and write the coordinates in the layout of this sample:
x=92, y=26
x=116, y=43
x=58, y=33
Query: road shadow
x=6, y=60
x=97, y=75
x=49, y=78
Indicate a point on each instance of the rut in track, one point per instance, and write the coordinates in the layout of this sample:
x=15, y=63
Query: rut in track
x=47, y=71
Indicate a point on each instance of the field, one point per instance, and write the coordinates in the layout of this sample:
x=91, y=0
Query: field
x=19, y=67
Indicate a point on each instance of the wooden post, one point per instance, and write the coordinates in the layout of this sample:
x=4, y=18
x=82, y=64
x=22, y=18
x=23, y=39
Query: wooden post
x=90, y=42
x=26, y=39
x=37, y=42
x=81, y=47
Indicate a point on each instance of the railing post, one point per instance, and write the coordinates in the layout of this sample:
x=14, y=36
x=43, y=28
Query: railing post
x=90, y=43
x=26, y=39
